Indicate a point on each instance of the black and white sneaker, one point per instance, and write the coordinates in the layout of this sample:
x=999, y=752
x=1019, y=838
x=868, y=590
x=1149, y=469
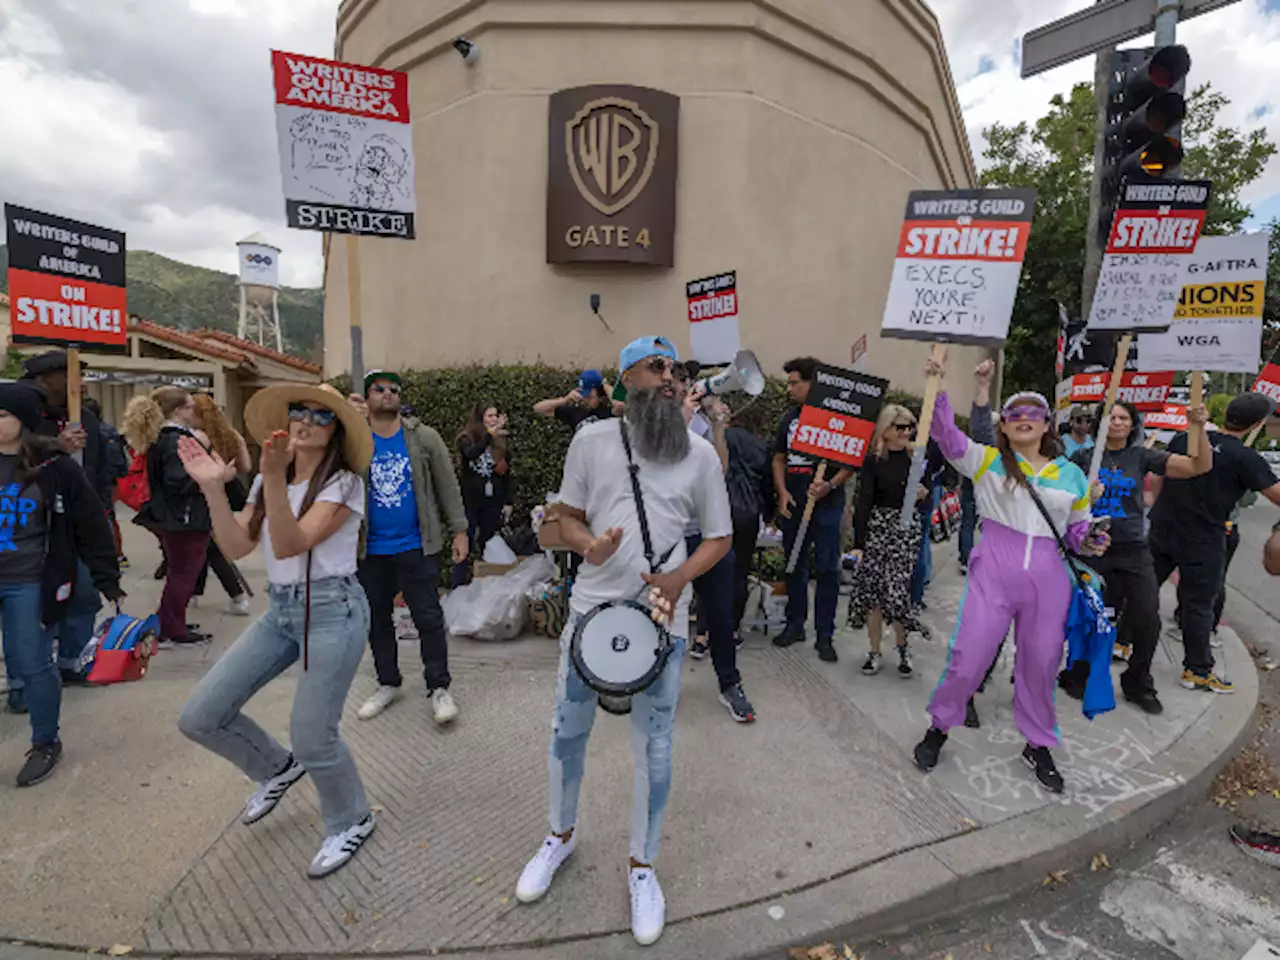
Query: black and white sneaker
x=266, y=797
x=1040, y=760
x=337, y=850
x=698, y=650
x=906, y=663
x=738, y=704
x=871, y=666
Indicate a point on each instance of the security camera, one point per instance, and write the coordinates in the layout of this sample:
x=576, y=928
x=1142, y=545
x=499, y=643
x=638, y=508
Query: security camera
x=468, y=51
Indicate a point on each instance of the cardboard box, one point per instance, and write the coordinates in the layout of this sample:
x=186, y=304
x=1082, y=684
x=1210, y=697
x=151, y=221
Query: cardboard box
x=482, y=569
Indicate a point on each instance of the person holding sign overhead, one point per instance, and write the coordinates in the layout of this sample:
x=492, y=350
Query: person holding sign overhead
x=1017, y=575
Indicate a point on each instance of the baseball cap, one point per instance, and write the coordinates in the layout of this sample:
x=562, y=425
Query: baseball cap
x=590, y=382
x=373, y=375
x=644, y=348
x=1248, y=409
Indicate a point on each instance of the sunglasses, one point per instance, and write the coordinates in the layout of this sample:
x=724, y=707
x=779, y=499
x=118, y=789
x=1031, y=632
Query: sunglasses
x=1081, y=419
x=300, y=413
x=664, y=364
x=1024, y=414
x=385, y=388
x=904, y=427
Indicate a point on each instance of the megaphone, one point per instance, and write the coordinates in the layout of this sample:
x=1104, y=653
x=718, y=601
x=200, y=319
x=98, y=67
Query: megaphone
x=742, y=376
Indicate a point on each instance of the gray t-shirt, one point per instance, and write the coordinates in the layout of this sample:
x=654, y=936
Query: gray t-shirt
x=1123, y=475
x=22, y=527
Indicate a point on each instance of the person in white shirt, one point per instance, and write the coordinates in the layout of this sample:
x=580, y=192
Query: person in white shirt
x=305, y=507
x=681, y=480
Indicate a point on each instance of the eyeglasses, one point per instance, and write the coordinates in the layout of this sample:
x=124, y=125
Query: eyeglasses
x=322, y=417
x=904, y=427
x=1024, y=413
x=385, y=388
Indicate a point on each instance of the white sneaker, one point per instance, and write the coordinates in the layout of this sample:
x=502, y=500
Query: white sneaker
x=239, y=606
x=269, y=794
x=648, y=907
x=442, y=707
x=382, y=698
x=338, y=849
x=541, y=870
x=1215, y=641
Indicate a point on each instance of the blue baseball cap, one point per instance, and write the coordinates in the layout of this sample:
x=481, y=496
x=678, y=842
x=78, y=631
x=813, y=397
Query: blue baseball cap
x=590, y=382
x=643, y=349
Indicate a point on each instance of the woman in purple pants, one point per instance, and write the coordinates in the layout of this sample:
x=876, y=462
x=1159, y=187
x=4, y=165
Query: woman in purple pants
x=1016, y=574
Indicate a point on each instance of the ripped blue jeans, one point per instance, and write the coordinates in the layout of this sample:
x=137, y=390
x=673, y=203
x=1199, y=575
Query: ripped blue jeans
x=653, y=714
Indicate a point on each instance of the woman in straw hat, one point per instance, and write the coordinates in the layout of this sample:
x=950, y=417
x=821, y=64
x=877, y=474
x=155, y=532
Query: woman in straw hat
x=306, y=507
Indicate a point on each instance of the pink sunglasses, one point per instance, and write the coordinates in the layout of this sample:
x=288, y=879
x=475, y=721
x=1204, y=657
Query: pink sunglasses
x=1024, y=413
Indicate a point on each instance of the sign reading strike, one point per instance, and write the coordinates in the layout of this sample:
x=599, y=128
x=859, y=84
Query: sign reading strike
x=713, y=318
x=959, y=259
x=1156, y=227
x=66, y=281
x=837, y=421
x=1171, y=416
x=1146, y=391
x=1268, y=381
x=346, y=146
x=1218, y=321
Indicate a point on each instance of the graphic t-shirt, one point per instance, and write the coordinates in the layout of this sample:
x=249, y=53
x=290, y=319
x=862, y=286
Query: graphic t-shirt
x=578, y=416
x=337, y=556
x=1074, y=446
x=1123, y=474
x=1199, y=508
x=800, y=467
x=22, y=527
x=393, y=509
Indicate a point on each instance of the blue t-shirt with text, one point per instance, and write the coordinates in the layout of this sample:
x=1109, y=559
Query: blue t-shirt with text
x=393, y=510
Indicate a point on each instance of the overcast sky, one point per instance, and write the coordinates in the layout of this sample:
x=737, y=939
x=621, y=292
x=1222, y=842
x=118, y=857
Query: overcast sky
x=155, y=116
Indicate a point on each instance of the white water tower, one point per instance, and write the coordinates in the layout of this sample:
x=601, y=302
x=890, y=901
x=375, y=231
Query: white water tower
x=259, y=291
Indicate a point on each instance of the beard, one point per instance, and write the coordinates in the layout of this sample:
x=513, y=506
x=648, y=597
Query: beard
x=657, y=427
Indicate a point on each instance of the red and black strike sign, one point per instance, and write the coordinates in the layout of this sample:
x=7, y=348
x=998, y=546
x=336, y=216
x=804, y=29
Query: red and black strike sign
x=1146, y=391
x=66, y=281
x=1268, y=382
x=1159, y=217
x=839, y=417
x=713, y=297
x=1172, y=416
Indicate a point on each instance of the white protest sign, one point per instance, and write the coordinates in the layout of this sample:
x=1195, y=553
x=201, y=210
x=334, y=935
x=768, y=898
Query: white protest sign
x=713, y=318
x=346, y=146
x=1218, y=322
x=959, y=258
x=1155, y=227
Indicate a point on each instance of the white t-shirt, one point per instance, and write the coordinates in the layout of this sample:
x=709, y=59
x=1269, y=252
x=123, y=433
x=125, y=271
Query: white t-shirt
x=337, y=556
x=596, y=481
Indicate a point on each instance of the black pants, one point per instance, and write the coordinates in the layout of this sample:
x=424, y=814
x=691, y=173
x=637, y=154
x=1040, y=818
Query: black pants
x=228, y=574
x=1132, y=591
x=745, y=535
x=417, y=576
x=1200, y=565
x=1233, y=541
x=714, y=590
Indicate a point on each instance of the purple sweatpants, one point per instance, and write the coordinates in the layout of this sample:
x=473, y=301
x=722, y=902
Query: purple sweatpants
x=1030, y=588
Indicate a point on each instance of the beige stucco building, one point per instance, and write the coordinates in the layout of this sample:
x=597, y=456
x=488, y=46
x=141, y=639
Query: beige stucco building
x=803, y=125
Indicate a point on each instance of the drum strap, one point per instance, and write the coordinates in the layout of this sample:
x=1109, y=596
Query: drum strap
x=655, y=563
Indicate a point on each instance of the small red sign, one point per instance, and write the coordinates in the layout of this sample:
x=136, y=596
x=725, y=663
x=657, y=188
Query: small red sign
x=1146, y=391
x=1172, y=416
x=1268, y=381
x=833, y=436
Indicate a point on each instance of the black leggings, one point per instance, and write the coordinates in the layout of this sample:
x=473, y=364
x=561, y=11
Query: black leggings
x=228, y=574
x=745, y=534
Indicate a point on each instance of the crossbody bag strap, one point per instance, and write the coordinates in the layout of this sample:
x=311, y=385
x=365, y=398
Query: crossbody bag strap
x=1067, y=555
x=633, y=470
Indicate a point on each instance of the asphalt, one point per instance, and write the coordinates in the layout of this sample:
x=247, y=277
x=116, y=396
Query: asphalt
x=811, y=825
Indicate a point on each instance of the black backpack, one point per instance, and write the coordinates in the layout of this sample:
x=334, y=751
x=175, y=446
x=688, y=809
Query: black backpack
x=747, y=479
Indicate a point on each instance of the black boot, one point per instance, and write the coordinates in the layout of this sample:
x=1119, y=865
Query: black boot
x=971, y=716
x=927, y=750
x=826, y=652
x=1039, y=760
x=789, y=636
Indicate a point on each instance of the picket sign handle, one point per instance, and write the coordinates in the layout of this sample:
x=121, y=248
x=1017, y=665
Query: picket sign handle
x=1150, y=441
x=931, y=386
x=1253, y=434
x=1104, y=418
x=1195, y=431
x=803, y=529
x=74, y=411
x=353, y=313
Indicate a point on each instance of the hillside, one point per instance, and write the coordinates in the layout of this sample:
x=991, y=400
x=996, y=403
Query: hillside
x=188, y=297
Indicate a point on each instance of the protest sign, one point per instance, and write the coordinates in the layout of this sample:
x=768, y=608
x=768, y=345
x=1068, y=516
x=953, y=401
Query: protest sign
x=346, y=146
x=713, y=318
x=959, y=259
x=1268, y=382
x=1218, y=322
x=1156, y=226
x=1146, y=391
x=66, y=281
x=1171, y=416
x=839, y=417
x=1081, y=350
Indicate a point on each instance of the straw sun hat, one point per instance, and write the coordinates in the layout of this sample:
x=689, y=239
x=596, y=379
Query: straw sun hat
x=268, y=411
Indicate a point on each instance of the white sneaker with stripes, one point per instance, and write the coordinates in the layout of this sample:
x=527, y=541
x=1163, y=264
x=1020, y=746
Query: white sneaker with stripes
x=266, y=797
x=340, y=848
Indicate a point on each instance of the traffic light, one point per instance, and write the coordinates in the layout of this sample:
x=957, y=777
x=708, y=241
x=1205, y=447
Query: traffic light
x=1144, y=109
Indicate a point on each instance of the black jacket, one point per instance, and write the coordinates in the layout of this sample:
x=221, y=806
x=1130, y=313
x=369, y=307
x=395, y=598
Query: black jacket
x=473, y=480
x=176, y=502
x=96, y=468
x=78, y=530
x=749, y=478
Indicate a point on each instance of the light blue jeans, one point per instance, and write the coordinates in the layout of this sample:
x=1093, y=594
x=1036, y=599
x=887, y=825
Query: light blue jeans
x=653, y=714
x=339, y=634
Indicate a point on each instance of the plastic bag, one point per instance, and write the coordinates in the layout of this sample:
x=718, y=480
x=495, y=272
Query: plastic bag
x=494, y=608
x=498, y=551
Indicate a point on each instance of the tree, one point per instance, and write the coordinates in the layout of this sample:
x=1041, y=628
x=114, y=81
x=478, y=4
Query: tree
x=1055, y=158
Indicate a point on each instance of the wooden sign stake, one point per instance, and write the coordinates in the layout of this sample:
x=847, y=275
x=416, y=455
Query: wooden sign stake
x=803, y=530
x=353, y=314
x=1104, y=418
x=73, y=393
x=932, y=383
x=1195, y=431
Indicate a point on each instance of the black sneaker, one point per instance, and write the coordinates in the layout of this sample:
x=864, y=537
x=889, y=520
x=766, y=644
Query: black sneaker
x=927, y=750
x=41, y=759
x=964, y=569
x=826, y=652
x=739, y=706
x=738, y=642
x=1039, y=760
x=789, y=636
x=188, y=640
x=74, y=678
x=906, y=664
x=971, y=716
x=1146, y=701
x=698, y=651
x=16, y=701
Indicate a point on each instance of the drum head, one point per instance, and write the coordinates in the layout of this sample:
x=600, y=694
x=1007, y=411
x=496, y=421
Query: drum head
x=618, y=649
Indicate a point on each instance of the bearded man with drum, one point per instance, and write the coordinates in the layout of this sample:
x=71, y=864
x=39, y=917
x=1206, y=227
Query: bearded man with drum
x=680, y=481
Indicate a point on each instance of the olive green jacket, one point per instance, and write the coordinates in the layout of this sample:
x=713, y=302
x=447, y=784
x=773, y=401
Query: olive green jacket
x=435, y=488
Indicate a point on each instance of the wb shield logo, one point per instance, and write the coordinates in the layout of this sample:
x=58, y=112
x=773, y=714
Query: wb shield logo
x=611, y=146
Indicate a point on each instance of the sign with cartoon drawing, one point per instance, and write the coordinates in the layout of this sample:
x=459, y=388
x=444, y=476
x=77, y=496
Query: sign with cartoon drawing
x=346, y=146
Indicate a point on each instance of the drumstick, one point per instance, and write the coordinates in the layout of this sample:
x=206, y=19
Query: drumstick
x=796, y=547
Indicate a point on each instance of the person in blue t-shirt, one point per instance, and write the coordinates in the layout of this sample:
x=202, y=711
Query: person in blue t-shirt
x=1080, y=435
x=413, y=501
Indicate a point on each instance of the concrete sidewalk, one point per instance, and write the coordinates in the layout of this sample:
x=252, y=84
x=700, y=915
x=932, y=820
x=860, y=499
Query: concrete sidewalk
x=811, y=824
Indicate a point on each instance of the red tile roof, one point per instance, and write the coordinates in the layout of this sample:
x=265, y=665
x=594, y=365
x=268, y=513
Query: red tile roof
x=216, y=343
x=248, y=345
